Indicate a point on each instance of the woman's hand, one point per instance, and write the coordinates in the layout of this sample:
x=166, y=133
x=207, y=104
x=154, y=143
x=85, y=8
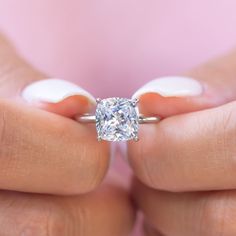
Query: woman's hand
x=186, y=163
x=43, y=152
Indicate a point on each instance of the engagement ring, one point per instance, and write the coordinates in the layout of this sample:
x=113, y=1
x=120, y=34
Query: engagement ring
x=117, y=119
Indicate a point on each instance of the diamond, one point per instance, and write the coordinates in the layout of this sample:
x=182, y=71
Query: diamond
x=117, y=119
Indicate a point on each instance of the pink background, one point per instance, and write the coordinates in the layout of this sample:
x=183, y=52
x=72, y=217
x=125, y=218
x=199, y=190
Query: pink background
x=111, y=47
x=107, y=42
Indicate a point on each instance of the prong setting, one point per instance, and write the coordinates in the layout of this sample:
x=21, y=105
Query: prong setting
x=135, y=101
x=98, y=100
x=117, y=119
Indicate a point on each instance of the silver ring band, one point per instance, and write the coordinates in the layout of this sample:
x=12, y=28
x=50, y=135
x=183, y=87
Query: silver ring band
x=141, y=120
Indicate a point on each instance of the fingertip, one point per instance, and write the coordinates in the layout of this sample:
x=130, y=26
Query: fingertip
x=155, y=104
x=53, y=91
x=58, y=96
x=170, y=95
x=172, y=86
x=69, y=107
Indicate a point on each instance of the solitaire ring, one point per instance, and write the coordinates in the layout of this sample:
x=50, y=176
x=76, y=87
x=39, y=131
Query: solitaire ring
x=117, y=119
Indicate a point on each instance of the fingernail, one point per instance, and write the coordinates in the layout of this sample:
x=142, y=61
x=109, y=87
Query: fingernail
x=171, y=86
x=53, y=91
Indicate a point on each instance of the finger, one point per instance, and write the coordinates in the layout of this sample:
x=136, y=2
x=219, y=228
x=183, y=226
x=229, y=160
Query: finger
x=194, y=151
x=58, y=96
x=38, y=152
x=209, y=85
x=20, y=80
x=89, y=214
x=47, y=153
x=188, y=214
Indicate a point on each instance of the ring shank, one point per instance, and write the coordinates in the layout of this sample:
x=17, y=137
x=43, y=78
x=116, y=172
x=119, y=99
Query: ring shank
x=86, y=118
x=148, y=119
x=142, y=119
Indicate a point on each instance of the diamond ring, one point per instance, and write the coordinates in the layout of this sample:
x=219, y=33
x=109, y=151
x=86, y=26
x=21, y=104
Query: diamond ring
x=117, y=119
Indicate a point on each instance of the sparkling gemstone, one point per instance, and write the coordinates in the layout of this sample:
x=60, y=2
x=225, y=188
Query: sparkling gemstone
x=117, y=119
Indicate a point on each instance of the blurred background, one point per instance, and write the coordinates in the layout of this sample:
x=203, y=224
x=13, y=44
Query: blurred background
x=112, y=47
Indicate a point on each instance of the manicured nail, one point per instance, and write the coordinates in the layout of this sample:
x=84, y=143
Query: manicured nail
x=171, y=86
x=53, y=91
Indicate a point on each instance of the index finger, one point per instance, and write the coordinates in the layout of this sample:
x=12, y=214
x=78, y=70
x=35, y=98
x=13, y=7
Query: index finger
x=209, y=85
x=39, y=151
x=20, y=80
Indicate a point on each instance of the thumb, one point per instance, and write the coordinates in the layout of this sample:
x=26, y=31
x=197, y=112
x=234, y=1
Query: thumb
x=22, y=82
x=206, y=86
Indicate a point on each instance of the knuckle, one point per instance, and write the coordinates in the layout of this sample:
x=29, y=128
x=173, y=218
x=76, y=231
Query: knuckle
x=99, y=172
x=97, y=169
x=144, y=163
x=89, y=172
x=89, y=161
x=225, y=124
x=100, y=164
x=154, y=174
x=35, y=215
x=223, y=130
x=228, y=119
x=7, y=139
x=51, y=221
x=36, y=225
x=218, y=216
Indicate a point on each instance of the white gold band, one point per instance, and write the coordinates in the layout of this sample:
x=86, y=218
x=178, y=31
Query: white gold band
x=142, y=119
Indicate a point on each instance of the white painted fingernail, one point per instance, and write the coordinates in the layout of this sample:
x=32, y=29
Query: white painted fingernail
x=53, y=91
x=171, y=86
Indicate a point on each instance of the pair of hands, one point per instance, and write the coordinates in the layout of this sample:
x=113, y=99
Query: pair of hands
x=178, y=162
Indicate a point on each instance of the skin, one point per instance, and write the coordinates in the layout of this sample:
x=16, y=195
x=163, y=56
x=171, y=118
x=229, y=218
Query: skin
x=51, y=166
x=185, y=177
x=186, y=171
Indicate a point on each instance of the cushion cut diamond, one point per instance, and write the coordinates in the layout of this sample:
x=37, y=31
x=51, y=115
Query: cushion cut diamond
x=117, y=119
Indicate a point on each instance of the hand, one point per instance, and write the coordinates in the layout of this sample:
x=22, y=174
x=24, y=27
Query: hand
x=186, y=163
x=42, y=152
